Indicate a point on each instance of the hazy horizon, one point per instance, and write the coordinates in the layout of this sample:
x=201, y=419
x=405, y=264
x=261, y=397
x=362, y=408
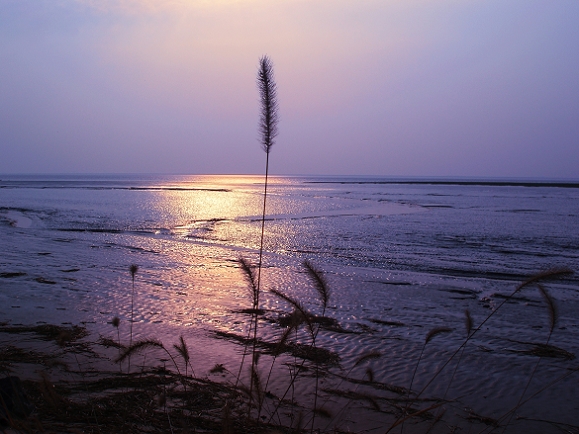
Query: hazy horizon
x=481, y=89
x=337, y=178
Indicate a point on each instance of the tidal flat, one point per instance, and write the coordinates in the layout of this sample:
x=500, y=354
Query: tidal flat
x=401, y=260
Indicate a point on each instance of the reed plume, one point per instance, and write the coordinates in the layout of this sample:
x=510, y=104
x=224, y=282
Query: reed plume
x=183, y=351
x=251, y=279
x=268, y=128
x=145, y=344
x=141, y=345
x=435, y=332
x=468, y=322
x=298, y=307
x=320, y=284
x=551, y=307
x=368, y=356
x=269, y=107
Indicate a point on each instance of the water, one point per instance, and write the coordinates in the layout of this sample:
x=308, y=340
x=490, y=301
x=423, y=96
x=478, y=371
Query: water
x=401, y=258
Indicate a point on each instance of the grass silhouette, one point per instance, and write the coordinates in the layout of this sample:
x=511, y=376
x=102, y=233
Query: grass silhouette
x=268, y=121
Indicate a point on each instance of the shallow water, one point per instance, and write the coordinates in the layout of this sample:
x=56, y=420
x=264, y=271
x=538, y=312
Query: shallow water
x=400, y=258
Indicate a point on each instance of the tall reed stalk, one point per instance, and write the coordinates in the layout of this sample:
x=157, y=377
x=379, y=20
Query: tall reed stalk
x=268, y=129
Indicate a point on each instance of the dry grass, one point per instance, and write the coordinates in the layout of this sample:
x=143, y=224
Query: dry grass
x=73, y=397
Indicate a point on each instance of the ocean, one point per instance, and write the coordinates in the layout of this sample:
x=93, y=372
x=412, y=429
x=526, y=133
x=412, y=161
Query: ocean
x=401, y=257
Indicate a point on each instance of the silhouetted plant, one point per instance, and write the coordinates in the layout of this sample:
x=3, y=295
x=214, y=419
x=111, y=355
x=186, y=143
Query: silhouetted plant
x=268, y=129
x=300, y=315
x=552, y=321
x=268, y=121
x=536, y=279
x=183, y=350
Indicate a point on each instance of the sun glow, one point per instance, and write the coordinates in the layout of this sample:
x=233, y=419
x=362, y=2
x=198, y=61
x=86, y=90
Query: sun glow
x=209, y=198
x=133, y=7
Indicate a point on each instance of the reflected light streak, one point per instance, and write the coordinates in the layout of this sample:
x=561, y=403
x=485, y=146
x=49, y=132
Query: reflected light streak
x=214, y=218
x=205, y=198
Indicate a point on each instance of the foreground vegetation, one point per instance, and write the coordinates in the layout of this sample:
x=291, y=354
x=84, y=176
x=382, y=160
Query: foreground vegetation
x=71, y=383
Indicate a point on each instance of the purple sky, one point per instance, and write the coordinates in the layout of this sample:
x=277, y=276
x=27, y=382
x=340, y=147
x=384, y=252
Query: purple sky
x=478, y=88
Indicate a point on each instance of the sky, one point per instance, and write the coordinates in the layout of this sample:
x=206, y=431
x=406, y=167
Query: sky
x=433, y=88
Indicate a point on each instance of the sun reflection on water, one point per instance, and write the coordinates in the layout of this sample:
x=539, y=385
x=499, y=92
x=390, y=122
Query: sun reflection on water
x=206, y=223
x=210, y=221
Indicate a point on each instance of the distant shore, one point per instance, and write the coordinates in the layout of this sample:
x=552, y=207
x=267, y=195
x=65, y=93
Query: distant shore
x=462, y=183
